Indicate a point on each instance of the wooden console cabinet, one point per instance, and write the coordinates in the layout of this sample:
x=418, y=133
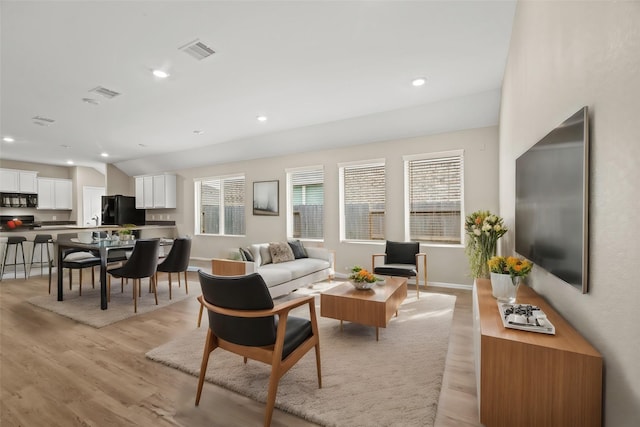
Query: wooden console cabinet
x=531, y=379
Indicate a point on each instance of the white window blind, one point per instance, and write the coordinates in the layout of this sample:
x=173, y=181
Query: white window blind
x=307, y=203
x=222, y=206
x=363, y=202
x=435, y=199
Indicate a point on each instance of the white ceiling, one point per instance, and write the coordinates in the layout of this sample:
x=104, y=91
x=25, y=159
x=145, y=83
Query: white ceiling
x=325, y=73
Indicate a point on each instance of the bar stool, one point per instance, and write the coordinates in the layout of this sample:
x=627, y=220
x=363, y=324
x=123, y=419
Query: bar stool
x=41, y=239
x=14, y=241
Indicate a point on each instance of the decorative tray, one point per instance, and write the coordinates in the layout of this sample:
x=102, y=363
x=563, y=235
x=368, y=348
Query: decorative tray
x=525, y=317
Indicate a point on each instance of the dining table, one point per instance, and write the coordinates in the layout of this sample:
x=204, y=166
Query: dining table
x=100, y=246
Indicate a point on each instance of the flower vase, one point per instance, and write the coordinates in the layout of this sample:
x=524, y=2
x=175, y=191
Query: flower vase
x=504, y=287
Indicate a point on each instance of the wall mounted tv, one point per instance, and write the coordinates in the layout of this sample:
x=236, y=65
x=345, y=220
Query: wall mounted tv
x=552, y=201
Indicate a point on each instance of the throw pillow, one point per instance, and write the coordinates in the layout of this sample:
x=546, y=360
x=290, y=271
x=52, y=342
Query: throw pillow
x=280, y=252
x=246, y=255
x=265, y=255
x=298, y=249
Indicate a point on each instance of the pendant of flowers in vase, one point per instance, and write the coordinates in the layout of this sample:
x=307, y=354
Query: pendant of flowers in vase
x=483, y=230
x=506, y=275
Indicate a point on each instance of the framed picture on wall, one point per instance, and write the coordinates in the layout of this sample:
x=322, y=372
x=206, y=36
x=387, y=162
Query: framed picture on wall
x=265, y=198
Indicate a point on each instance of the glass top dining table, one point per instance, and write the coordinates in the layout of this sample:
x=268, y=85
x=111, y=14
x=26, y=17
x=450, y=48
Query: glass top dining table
x=101, y=246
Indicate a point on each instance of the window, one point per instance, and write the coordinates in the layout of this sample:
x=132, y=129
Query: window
x=434, y=196
x=363, y=201
x=221, y=205
x=305, y=215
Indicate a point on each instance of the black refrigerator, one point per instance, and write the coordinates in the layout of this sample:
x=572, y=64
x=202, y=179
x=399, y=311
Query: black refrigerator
x=120, y=210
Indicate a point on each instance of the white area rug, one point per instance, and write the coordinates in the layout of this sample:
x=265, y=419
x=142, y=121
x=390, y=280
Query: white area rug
x=393, y=382
x=86, y=308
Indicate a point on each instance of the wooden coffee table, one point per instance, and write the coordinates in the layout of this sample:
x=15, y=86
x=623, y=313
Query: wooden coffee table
x=373, y=307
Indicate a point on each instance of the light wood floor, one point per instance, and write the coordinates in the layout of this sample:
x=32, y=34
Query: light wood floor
x=56, y=372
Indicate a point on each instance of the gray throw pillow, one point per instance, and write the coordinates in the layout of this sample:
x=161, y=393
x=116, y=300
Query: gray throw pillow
x=246, y=255
x=298, y=249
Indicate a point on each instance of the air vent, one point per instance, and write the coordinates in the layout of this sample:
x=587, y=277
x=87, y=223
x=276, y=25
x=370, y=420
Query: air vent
x=197, y=49
x=42, y=121
x=107, y=93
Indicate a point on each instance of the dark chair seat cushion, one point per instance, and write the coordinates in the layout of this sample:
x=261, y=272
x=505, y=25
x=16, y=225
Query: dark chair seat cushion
x=297, y=331
x=400, y=270
x=81, y=262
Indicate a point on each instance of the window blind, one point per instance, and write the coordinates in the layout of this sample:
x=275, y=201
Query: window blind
x=435, y=199
x=307, y=203
x=222, y=206
x=364, y=202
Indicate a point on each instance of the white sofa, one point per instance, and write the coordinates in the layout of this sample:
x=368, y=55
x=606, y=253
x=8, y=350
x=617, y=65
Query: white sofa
x=282, y=277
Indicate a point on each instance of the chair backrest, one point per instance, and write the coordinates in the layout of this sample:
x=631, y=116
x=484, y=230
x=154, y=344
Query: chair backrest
x=66, y=236
x=143, y=260
x=241, y=293
x=178, y=258
x=401, y=252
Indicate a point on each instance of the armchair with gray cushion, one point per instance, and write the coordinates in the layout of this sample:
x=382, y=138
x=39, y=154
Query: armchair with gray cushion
x=402, y=259
x=244, y=321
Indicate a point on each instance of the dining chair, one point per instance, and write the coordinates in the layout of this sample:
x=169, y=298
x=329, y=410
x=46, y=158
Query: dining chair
x=141, y=264
x=76, y=259
x=402, y=259
x=244, y=321
x=177, y=261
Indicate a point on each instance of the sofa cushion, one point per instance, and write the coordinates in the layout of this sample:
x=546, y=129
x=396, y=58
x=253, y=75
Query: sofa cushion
x=274, y=275
x=298, y=249
x=280, y=252
x=304, y=266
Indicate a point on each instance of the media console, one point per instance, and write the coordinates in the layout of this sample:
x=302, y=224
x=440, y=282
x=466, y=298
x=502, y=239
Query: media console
x=529, y=379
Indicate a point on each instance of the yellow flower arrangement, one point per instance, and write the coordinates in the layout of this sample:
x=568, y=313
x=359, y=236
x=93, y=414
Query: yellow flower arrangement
x=511, y=265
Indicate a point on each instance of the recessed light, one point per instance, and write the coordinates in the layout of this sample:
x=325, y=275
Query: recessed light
x=262, y=118
x=104, y=154
x=160, y=74
x=420, y=81
x=69, y=162
x=8, y=139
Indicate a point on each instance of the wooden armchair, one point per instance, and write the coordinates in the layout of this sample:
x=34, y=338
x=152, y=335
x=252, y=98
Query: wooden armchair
x=244, y=320
x=402, y=259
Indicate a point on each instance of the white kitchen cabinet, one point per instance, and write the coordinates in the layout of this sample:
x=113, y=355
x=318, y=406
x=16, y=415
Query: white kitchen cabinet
x=18, y=181
x=55, y=193
x=156, y=192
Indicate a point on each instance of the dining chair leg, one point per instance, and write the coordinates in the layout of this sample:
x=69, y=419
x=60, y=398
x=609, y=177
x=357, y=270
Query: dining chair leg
x=108, y=288
x=155, y=288
x=135, y=297
x=93, y=277
x=169, y=285
x=80, y=284
x=186, y=285
x=70, y=277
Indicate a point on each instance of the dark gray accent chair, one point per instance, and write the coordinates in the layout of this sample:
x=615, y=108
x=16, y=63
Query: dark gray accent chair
x=244, y=321
x=401, y=259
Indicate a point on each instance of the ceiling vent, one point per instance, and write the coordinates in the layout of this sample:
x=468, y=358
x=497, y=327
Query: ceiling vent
x=42, y=121
x=197, y=49
x=107, y=93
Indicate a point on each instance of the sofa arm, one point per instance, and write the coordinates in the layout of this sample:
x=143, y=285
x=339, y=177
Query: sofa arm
x=228, y=267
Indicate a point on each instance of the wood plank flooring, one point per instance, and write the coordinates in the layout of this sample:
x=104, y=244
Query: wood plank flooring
x=56, y=372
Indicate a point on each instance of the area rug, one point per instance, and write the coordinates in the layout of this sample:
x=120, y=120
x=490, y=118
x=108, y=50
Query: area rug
x=392, y=382
x=86, y=308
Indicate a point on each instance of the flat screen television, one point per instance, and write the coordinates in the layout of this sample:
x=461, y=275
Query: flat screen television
x=552, y=201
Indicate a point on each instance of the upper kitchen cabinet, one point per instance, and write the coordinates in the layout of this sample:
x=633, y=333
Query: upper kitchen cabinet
x=156, y=192
x=18, y=181
x=55, y=193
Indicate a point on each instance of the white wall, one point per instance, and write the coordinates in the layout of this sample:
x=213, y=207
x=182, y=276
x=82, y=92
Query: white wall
x=565, y=55
x=445, y=264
